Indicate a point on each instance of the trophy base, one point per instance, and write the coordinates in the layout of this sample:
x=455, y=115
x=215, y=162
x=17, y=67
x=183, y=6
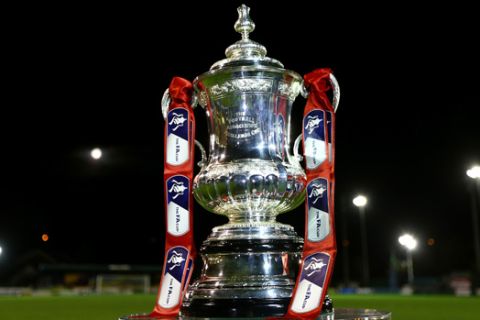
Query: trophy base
x=248, y=271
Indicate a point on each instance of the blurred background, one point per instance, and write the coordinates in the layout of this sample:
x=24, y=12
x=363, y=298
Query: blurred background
x=82, y=207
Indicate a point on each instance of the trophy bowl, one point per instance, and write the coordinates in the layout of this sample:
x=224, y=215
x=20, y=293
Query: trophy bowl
x=250, y=176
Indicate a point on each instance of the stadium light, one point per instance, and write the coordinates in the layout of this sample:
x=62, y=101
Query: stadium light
x=410, y=243
x=96, y=153
x=474, y=172
x=360, y=202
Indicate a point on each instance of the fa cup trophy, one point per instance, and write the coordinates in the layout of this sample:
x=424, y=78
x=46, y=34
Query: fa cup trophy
x=253, y=266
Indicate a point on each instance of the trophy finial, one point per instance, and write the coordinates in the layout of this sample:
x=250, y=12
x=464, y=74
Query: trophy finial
x=245, y=49
x=244, y=25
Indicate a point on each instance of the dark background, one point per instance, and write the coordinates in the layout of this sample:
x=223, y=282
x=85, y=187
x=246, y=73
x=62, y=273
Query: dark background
x=83, y=76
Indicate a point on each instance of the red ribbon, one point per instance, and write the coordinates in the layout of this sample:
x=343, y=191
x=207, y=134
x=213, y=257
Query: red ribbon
x=319, y=255
x=178, y=167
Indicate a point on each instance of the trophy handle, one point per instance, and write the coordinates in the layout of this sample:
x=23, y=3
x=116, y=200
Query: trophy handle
x=203, y=162
x=296, y=147
x=336, y=93
x=335, y=102
x=165, y=104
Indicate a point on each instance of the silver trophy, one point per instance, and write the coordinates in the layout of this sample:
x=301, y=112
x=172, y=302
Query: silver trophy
x=250, y=263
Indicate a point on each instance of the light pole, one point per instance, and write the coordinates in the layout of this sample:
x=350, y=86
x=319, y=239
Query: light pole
x=410, y=243
x=474, y=173
x=345, y=245
x=360, y=202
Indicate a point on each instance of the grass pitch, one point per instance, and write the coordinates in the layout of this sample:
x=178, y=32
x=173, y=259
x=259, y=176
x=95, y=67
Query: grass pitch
x=110, y=307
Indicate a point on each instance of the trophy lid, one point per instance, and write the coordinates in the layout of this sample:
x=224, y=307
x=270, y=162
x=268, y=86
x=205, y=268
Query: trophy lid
x=246, y=68
x=245, y=52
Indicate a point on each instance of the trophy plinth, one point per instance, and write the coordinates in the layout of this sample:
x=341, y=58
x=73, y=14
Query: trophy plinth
x=245, y=277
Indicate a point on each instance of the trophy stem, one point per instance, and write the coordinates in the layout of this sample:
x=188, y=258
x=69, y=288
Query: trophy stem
x=254, y=218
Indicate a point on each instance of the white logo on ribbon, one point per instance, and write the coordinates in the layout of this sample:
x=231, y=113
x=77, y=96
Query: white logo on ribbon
x=312, y=124
x=176, y=259
x=177, y=188
x=178, y=120
x=315, y=266
x=317, y=192
x=308, y=294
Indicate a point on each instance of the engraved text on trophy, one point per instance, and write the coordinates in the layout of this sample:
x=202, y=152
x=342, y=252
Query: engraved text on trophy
x=242, y=126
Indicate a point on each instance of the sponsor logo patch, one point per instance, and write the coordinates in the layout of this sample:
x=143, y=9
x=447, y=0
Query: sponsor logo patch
x=318, y=210
x=172, y=279
x=178, y=198
x=312, y=281
x=314, y=139
x=177, y=136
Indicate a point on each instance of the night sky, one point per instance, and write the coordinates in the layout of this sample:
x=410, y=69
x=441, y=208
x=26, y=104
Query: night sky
x=79, y=77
